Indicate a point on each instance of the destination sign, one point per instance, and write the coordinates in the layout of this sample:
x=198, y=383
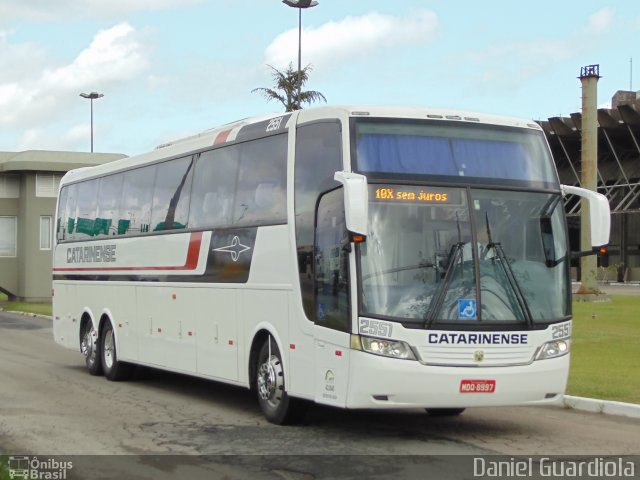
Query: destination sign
x=412, y=194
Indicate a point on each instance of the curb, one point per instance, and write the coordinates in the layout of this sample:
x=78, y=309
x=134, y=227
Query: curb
x=607, y=407
x=26, y=314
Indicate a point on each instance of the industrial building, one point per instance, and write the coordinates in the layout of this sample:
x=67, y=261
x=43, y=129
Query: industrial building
x=28, y=190
x=618, y=179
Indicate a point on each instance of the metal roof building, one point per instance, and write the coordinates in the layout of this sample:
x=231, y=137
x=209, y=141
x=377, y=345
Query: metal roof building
x=28, y=190
x=618, y=178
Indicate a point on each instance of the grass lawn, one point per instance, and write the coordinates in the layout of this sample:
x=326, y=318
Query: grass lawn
x=605, y=354
x=38, y=308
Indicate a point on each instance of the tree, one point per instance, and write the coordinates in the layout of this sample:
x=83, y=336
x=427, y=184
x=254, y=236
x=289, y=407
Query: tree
x=286, y=89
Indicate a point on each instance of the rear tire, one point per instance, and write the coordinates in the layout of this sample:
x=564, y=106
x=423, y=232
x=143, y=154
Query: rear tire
x=444, y=412
x=90, y=348
x=114, y=369
x=278, y=407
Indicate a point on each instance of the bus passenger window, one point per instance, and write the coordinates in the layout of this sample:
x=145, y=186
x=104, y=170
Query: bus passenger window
x=261, y=191
x=171, y=193
x=214, y=188
x=109, y=205
x=135, y=205
x=86, y=212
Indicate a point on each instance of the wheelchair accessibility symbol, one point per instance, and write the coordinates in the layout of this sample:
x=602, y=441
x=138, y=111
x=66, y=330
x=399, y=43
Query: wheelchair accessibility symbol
x=467, y=309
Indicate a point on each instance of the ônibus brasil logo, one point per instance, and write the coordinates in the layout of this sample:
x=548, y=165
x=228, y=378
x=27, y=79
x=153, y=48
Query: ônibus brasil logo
x=32, y=468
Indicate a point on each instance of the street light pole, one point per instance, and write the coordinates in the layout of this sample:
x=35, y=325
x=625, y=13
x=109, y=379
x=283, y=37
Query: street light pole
x=300, y=4
x=92, y=96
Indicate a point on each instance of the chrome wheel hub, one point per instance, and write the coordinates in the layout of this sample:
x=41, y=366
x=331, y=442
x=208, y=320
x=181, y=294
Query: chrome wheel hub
x=271, y=381
x=109, y=349
x=88, y=345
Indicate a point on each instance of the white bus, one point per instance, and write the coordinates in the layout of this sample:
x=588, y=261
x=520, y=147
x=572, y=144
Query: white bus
x=360, y=257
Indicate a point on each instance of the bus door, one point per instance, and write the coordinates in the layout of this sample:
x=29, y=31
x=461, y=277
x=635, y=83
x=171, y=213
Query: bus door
x=332, y=308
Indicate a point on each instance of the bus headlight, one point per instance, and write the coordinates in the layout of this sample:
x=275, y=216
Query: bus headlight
x=383, y=347
x=554, y=349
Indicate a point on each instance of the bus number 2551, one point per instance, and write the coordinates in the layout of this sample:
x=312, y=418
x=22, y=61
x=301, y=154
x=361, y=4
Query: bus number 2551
x=376, y=328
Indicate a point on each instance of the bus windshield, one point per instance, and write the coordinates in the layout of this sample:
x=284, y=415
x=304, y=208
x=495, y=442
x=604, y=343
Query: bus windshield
x=447, y=151
x=439, y=255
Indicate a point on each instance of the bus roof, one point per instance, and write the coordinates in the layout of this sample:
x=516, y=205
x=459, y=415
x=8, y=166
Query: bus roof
x=236, y=130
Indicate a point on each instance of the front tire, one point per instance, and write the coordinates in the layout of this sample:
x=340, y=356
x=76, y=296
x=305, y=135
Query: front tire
x=114, y=369
x=278, y=407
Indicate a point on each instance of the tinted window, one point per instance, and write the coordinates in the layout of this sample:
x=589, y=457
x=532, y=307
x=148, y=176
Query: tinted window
x=135, y=205
x=171, y=193
x=214, y=188
x=61, y=220
x=318, y=157
x=460, y=150
x=332, y=263
x=86, y=211
x=262, y=182
x=110, y=191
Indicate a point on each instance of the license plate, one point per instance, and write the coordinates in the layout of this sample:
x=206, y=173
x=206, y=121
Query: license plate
x=477, y=386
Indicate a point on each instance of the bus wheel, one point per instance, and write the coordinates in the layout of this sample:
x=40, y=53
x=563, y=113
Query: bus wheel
x=444, y=412
x=278, y=407
x=89, y=346
x=114, y=369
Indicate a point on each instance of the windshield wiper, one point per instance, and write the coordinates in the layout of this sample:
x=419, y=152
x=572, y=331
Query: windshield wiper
x=502, y=259
x=436, y=305
x=440, y=296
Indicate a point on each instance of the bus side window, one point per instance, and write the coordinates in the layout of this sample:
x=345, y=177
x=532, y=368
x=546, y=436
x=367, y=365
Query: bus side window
x=262, y=181
x=171, y=194
x=62, y=216
x=86, y=211
x=135, y=205
x=214, y=183
x=110, y=191
x=331, y=263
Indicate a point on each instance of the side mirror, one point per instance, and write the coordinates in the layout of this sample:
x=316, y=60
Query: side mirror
x=599, y=213
x=356, y=201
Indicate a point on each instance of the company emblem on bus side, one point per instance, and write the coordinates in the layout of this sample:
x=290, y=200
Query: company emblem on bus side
x=235, y=249
x=478, y=356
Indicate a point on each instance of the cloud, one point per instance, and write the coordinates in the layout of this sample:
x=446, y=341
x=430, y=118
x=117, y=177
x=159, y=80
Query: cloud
x=75, y=136
x=352, y=37
x=115, y=55
x=49, y=10
x=511, y=66
x=601, y=21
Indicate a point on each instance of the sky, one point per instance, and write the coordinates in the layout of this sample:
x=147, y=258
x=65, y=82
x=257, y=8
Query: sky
x=172, y=68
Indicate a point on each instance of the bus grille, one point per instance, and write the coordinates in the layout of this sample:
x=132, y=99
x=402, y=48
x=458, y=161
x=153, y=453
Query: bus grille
x=476, y=356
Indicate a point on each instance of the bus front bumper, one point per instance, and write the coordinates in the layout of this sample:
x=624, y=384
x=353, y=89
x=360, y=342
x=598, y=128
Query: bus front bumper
x=380, y=382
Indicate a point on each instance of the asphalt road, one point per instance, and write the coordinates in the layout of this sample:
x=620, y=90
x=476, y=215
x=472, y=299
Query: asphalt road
x=49, y=405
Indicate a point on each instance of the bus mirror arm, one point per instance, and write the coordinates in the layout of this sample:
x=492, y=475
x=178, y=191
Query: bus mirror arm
x=599, y=213
x=356, y=201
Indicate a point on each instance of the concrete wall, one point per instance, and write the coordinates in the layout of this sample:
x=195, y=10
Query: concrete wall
x=28, y=276
x=34, y=264
x=9, y=266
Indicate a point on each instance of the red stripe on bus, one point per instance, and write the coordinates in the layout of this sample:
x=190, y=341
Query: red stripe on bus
x=222, y=137
x=191, y=263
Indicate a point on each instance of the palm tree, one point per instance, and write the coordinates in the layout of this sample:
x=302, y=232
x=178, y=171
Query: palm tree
x=288, y=88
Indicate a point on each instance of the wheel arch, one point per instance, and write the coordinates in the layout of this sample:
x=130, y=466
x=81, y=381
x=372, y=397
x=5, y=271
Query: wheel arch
x=106, y=316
